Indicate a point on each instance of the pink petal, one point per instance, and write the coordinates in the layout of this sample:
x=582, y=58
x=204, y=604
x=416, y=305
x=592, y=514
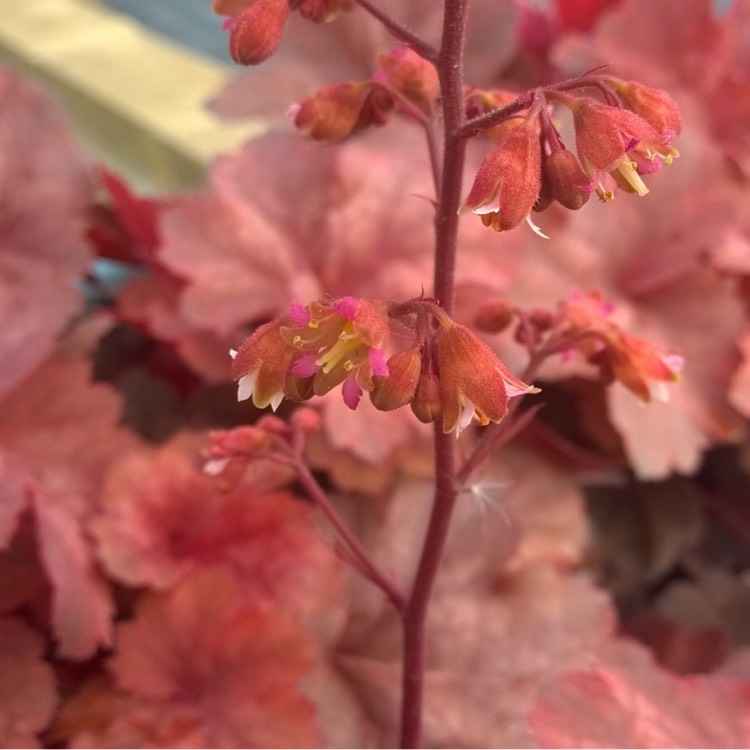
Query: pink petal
x=351, y=392
x=299, y=314
x=346, y=307
x=378, y=365
x=305, y=366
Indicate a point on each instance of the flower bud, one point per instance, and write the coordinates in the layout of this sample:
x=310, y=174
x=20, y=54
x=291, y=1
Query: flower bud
x=398, y=387
x=411, y=75
x=335, y=112
x=567, y=182
x=426, y=403
x=256, y=31
x=306, y=420
x=494, y=316
x=509, y=178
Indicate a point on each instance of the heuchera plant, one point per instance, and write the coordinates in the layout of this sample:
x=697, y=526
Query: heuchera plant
x=442, y=370
x=470, y=494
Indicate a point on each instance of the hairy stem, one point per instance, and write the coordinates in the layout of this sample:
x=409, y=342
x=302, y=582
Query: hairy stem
x=415, y=614
x=399, y=31
x=450, y=70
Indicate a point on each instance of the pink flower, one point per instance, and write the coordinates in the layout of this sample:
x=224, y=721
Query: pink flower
x=313, y=349
x=619, y=142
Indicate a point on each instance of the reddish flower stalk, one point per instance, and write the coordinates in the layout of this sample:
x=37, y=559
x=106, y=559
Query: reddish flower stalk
x=449, y=64
x=399, y=30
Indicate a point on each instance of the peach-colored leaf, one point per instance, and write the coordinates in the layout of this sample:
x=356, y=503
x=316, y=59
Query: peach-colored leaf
x=27, y=685
x=43, y=194
x=629, y=701
x=232, y=668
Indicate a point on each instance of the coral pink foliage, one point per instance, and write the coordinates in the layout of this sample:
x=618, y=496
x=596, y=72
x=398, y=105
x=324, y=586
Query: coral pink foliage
x=161, y=520
x=630, y=702
x=60, y=433
x=43, y=194
x=27, y=685
x=228, y=669
x=148, y=602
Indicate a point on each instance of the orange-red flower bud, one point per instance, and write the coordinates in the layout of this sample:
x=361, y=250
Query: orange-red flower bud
x=426, y=404
x=335, y=112
x=397, y=388
x=509, y=178
x=494, y=316
x=568, y=184
x=256, y=30
x=411, y=75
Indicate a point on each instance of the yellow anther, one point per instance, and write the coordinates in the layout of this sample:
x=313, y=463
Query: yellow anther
x=348, y=365
x=313, y=323
x=297, y=341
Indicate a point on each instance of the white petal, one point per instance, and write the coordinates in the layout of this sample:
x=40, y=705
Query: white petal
x=276, y=399
x=535, y=229
x=214, y=466
x=659, y=391
x=467, y=414
x=245, y=386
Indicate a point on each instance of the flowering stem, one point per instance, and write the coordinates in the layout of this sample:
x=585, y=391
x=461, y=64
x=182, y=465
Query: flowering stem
x=359, y=554
x=415, y=614
x=400, y=31
x=450, y=70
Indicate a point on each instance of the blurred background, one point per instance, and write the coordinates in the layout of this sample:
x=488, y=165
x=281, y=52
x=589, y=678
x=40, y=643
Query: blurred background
x=134, y=75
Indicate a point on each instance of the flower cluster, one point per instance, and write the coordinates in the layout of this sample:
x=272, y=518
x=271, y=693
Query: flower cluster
x=643, y=368
x=445, y=372
x=583, y=323
x=617, y=142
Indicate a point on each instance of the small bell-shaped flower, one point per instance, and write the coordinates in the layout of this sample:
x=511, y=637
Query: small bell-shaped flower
x=618, y=141
x=262, y=365
x=509, y=179
x=474, y=383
